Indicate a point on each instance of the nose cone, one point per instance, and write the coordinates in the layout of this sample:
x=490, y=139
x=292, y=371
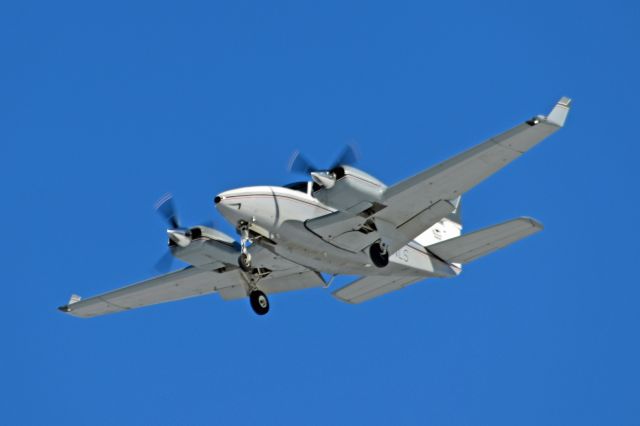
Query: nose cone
x=253, y=204
x=229, y=204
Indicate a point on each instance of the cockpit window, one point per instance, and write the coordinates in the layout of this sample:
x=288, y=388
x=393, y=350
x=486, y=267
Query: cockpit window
x=297, y=186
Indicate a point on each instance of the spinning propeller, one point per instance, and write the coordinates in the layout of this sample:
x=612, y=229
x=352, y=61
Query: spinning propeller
x=325, y=177
x=177, y=234
x=167, y=209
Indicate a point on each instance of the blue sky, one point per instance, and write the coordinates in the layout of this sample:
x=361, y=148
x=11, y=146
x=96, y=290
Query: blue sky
x=105, y=107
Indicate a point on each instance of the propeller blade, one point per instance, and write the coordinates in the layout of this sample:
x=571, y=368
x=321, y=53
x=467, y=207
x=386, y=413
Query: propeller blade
x=299, y=164
x=167, y=209
x=348, y=157
x=165, y=262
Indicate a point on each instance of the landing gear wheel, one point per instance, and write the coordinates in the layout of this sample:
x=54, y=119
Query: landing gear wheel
x=259, y=302
x=379, y=255
x=244, y=261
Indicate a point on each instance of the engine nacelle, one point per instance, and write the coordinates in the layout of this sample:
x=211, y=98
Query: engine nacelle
x=208, y=248
x=353, y=190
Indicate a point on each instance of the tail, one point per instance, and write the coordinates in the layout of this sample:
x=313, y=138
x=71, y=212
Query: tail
x=448, y=227
x=470, y=247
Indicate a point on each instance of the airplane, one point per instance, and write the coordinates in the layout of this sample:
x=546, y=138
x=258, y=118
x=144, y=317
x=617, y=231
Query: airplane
x=342, y=221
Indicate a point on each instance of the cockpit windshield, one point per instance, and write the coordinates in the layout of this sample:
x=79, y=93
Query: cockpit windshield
x=298, y=186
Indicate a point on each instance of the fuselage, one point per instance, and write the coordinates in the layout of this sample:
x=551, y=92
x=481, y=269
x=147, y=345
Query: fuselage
x=278, y=215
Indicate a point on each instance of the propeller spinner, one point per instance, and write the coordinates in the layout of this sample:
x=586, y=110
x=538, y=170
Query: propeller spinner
x=167, y=210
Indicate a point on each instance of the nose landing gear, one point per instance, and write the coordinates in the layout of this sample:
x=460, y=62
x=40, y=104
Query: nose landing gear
x=259, y=302
x=244, y=260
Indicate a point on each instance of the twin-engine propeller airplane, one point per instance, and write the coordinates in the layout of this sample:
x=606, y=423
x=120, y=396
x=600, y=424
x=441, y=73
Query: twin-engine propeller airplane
x=343, y=221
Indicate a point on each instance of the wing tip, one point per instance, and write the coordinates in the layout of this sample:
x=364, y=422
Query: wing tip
x=565, y=101
x=559, y=113
x=535, y=223
x=67, y=308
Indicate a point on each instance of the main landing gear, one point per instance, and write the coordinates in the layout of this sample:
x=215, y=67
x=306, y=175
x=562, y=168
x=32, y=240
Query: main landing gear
x=259, y=302
x=379, y=253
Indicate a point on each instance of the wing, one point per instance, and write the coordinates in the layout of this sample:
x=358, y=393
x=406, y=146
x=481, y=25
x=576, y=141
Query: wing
x=177, y=285
x=452, y=178
x=410, y=207
x=367, y=288
x=469, y=247
x=189, y=282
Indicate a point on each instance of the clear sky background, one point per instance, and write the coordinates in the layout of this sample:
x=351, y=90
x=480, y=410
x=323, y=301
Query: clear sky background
x=105, y=107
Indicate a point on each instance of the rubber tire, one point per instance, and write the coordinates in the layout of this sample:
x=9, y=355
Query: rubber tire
x=377, y=257
x=259, y=302
x=244, y=262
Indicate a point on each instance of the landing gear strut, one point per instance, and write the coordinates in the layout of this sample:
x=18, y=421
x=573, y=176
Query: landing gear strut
x=379, y=253
x=259, y=302
x=244, y=260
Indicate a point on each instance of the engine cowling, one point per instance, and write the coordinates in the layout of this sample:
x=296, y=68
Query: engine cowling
x=353, y=189
x=208, y=247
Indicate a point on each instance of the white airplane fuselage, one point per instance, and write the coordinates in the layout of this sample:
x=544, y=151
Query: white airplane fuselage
x=278, y=214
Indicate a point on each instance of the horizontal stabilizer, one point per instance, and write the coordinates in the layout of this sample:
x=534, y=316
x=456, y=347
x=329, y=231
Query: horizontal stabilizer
x=367, y=288
x=469, y=247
